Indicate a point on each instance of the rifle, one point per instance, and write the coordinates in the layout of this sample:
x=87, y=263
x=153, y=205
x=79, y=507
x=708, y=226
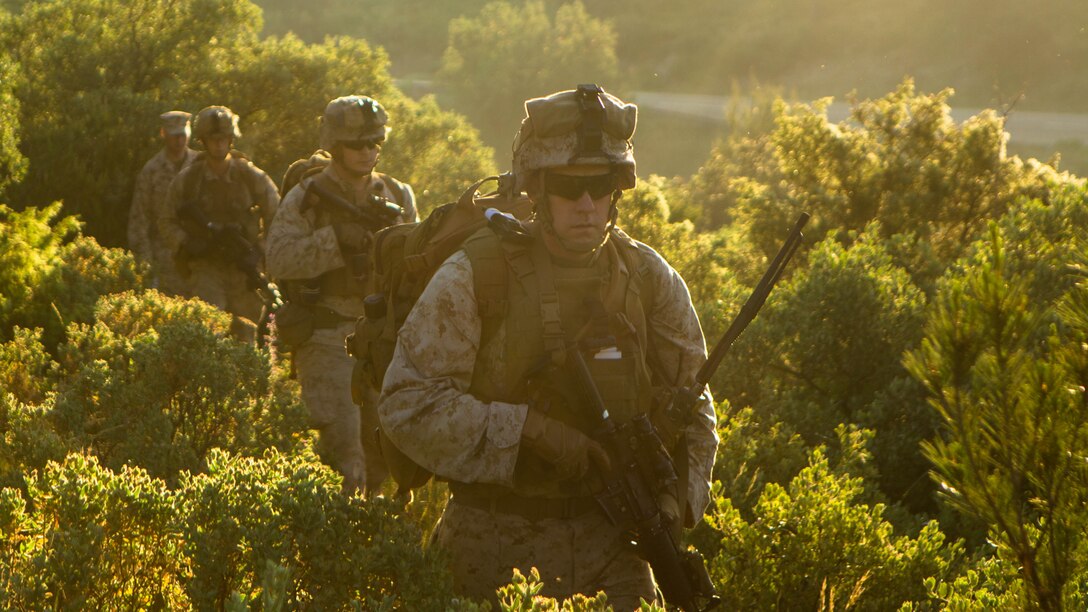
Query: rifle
x=230, y=243
x=641, y=466
x=641, y=470
x=375, y=213
x=682, y=406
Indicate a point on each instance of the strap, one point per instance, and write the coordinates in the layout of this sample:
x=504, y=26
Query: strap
x=548, y=298
x=530, y=508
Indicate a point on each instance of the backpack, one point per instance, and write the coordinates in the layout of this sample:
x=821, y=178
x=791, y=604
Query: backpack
x=405, y=258
x=309, y=166
x=301, y=168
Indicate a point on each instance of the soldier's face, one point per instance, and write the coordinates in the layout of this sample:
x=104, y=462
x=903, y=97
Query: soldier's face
x=580, y=200
x=175, y=143
x=358, y=158
x=218, y=146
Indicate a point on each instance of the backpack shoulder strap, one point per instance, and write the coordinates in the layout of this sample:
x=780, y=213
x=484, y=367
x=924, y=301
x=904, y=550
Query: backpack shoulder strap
x=489, y=274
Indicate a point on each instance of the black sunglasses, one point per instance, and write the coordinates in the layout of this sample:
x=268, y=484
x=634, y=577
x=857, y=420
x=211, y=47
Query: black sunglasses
x=572, y=187
x=359, y=145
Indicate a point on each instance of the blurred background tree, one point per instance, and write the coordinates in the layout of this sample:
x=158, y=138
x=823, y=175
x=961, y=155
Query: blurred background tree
x=510, y=53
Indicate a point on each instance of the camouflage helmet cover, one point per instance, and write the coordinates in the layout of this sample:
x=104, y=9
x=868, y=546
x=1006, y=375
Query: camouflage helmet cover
x=216, y=120
x=352, y=118
x=580, y=126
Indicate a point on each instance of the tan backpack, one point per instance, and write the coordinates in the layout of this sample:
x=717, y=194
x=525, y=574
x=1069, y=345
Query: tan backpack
x=405, y=258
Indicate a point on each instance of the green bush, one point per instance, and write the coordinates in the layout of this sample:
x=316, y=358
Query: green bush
x=95, y=539
x=158, y=382
x=827, y=351
x=51, y=277
x=811, y=545
x=1007, y=375
x=900, y=160
x=12, y=162
x=245, y=513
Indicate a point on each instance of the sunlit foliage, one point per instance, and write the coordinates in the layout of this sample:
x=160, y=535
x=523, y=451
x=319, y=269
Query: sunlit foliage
x=512, y=52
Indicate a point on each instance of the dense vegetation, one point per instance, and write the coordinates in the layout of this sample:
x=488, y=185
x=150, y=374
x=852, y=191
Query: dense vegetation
x=903, y=427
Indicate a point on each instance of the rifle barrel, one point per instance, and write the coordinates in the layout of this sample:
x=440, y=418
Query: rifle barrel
x=753, y=304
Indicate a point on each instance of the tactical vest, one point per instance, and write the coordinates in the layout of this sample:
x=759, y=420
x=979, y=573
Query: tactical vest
x=541, y=306
x=351, y=279
x=235, y=201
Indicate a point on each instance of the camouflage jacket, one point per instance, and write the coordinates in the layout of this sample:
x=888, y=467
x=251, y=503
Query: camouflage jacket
x=302, y=243
x=427, y=411
x=148, y=203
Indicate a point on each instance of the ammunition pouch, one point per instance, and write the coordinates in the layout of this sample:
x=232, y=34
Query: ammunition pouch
x=294, y=326
x=617, y=380
x=296, y=322
x=371, y=344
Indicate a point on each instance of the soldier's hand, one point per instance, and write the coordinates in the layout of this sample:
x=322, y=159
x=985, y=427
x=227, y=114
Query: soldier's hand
x=568, y=449
x=351, y=236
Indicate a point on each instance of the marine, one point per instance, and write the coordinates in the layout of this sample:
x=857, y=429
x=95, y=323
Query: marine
x=217, y=210
x=149, y=200
x=480, y=389
x=319, y=251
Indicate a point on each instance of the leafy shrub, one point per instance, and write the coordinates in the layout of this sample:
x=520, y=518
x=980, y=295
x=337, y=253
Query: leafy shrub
x=900, y=160
x=94, y=540
x=29, y=440
x=812, y=546
x=827, y=351
x=158, y=382
x=288, y=510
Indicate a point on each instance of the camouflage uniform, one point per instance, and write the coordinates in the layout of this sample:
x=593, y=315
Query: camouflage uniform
x=505, y=513
x=209, y=278
x=149, y=202
x=303, y=245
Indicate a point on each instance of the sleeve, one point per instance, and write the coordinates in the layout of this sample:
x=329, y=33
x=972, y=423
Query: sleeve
x=425, y=406
x=170, y=230
x=411, y=213
x=678, y=350
x=139, y=239
x=269, y=199
x=295, y=249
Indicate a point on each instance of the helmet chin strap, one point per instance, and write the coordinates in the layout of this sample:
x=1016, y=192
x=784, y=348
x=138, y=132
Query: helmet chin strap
x=543, y=212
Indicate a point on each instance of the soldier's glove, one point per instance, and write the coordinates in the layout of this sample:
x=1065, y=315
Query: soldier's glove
x=565, y=447
x=670, y=512
x=352, y=237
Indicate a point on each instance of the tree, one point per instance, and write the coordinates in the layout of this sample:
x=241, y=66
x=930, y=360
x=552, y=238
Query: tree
x=510, y=53
x=89, y=103
x=12, y=162
x=1008, y=381
x=900, y=160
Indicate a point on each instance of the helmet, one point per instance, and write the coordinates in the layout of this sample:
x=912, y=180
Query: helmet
x=352, y=118
x=216, y=120
x=579, y=126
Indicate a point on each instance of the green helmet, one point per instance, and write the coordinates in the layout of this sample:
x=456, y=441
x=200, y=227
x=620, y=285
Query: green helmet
x=216, y=120
x=579, y=126
x=352, y=118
